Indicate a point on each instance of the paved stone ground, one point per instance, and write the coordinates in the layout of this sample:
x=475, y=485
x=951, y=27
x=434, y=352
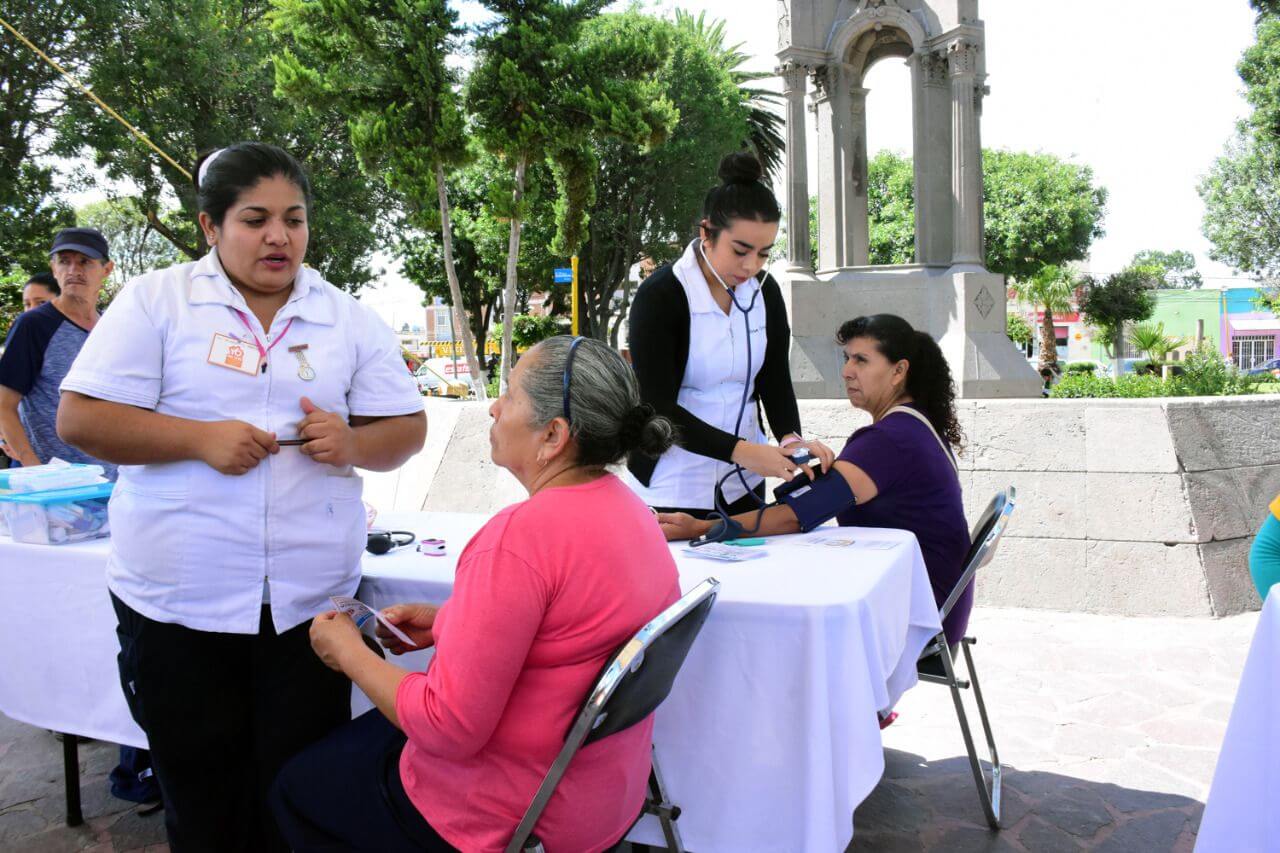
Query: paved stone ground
x=1108, y=728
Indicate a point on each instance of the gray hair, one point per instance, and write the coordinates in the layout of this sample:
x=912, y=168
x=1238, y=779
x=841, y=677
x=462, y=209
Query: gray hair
x=606, y=418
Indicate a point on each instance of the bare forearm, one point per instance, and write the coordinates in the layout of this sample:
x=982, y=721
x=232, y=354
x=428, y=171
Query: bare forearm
x=15, y=436
x=384, y=444
x=125, y=435
x=379, y=680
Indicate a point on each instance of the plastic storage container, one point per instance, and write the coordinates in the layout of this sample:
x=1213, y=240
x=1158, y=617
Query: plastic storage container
x=57, y=516
x=55, y=475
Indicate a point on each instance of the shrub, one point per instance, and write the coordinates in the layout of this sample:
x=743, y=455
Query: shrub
x=1086, y=367
x=1207, y=373
x=1076, y=385
x=1144, y=385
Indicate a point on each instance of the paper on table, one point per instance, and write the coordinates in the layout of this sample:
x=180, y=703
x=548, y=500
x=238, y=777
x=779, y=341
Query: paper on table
x=844, y=540
x=727, y=553
x=360, y=612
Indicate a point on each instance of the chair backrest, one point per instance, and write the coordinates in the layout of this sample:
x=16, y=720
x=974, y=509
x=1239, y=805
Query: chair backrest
x=986, y=536
x=633, y=683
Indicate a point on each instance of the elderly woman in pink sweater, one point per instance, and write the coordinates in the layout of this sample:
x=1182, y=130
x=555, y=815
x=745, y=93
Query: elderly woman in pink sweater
x=544, y=595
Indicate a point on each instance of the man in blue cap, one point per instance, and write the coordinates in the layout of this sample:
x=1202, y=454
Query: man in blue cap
x=42, y=345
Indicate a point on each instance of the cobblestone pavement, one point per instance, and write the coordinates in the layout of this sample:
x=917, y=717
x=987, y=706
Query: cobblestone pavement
x=1108, y=728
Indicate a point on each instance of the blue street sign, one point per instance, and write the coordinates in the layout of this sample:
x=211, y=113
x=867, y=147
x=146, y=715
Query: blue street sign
x=563, y=275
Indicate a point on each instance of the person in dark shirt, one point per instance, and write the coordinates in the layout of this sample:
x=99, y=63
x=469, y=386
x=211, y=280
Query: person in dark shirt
x=901, y=468
x=42, y=345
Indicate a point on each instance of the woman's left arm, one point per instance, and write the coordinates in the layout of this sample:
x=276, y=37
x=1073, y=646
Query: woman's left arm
x=773, y=382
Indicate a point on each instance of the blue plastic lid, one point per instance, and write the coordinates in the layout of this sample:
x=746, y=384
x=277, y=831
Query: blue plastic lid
x=61, y=496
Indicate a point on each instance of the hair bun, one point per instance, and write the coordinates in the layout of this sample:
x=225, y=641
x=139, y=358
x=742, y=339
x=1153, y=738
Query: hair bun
x=740, y=167
x=645, y=431
x=632, y=426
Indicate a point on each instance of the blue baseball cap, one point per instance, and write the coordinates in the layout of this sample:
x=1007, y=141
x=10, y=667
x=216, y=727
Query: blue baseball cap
x=87, y=241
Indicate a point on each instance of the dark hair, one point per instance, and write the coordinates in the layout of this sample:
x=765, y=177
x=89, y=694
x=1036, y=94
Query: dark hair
x=238, y=168
x=740, y=195
x=607, y=421
x=928, y=374
x=47, y=281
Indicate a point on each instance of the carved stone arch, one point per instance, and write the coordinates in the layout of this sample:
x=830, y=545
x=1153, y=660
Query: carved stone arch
x=874, y=16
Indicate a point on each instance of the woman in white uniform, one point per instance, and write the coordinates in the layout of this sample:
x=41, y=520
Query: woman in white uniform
x=237, y=394
x=709, y=338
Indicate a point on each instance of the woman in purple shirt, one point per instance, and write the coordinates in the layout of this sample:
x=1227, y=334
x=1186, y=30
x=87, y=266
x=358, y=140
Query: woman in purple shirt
x=901, y=469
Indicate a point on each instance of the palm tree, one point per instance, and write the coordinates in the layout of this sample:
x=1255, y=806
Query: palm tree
x=1052, y=291
x=764, y=119
x=1149, y=338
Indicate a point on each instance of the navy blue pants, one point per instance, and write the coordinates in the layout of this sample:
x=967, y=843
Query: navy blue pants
x=344, y=793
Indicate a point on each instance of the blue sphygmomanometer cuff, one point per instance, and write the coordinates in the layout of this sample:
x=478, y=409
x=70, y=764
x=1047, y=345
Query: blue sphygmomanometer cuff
x=817, y=502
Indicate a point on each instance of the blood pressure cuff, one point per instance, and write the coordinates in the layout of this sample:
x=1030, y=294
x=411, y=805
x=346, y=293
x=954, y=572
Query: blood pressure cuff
x=815, y=502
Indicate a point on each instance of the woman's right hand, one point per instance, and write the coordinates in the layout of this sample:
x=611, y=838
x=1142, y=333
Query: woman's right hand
x=234, y=447
x=416, y=620
x=766, y=460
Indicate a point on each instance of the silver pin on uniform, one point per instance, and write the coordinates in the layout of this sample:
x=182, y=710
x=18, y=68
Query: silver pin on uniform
x=305, y=371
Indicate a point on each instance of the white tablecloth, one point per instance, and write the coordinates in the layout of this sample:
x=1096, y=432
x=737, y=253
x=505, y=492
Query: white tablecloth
x=1241, y=813
x=768, y=741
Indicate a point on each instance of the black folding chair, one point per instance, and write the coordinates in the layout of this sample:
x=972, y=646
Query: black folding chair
x=937, y=663
x=632, y=684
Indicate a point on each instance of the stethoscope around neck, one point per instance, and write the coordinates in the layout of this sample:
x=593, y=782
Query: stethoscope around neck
x=731, y=529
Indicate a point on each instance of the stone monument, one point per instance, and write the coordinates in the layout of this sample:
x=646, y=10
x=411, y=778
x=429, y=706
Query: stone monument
x=948, y=290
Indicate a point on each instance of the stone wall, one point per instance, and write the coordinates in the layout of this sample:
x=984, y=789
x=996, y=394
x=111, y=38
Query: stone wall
x=1142, y=507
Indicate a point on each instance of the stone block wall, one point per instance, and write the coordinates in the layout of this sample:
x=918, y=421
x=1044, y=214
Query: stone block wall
x=1140, y=507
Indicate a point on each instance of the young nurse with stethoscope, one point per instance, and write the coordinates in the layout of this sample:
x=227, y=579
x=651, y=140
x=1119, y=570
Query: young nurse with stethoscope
x=238, y=394
x=709, y=337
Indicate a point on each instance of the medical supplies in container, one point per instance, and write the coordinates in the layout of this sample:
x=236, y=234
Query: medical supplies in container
x=57, y=474
x=57, y=516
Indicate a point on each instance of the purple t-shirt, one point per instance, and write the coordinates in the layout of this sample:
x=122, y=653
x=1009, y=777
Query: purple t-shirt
x=918, y=490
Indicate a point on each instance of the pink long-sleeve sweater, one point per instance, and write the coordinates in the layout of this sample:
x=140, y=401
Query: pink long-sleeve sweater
x=545, y=593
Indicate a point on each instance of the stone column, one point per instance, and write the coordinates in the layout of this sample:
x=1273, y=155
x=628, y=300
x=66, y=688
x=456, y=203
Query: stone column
x=794, y=78
x=830, y=171
x=932, y=157
x=856, y=224
x=966, y=156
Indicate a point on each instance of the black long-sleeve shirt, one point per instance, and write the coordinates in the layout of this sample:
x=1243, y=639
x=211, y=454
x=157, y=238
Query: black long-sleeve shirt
x=659, y=341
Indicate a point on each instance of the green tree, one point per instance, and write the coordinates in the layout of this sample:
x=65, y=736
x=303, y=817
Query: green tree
x=1150, y=338
x=136, y=248
x=384, y=66
x=1108, y=305
x=31, y=97
x=1241, y=197
x=648, y=202
x=538, y=93
x=477, y=193
x=1018, y=330
x=891, y=209
x=1176, y=269
x=1040, y=211
x=1052, y=290
x=199, y=77
x=11, y=299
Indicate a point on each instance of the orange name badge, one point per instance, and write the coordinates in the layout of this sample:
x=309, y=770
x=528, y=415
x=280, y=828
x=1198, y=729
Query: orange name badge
x=226, y=351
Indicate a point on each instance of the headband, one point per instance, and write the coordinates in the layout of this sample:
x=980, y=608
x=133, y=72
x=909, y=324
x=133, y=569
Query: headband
x=204, y=167
x=568, y=374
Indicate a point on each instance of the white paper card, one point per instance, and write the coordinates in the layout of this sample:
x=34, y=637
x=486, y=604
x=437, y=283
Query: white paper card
x=360, y=612
x=726, y=553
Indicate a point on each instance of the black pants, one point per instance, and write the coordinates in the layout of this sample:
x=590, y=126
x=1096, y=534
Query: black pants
x=746, y=503
x=345, y=794
x=223, y=713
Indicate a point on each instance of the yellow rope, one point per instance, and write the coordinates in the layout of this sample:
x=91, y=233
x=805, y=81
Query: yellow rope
x=83, y=88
